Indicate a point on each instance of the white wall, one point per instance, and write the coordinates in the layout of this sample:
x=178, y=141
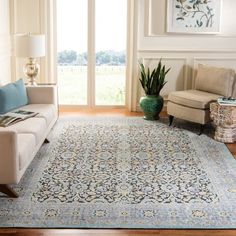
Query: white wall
x=183, y=52
x=5, y=43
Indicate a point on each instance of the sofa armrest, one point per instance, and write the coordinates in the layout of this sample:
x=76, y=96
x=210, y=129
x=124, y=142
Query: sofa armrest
x=9, y=161
x=42, y=94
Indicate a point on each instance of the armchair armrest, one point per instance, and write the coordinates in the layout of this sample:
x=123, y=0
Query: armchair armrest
x=42, y=94
x=9, y=162
x=234, y=87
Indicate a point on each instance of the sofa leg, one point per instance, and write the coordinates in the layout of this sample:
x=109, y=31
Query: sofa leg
x=171, y=118
x=46, y=141
x=6, y=189
x=201, y=129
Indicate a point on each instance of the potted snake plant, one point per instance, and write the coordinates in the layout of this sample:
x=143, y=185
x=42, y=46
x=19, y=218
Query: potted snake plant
x=152, y=83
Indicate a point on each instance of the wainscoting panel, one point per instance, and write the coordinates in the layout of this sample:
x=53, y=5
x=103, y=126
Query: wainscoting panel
x=226, y=62
x=177, y=75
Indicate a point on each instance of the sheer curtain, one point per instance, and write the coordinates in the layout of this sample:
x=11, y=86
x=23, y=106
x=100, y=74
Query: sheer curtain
x=48, y=27
x=38, y=16
x=132, y=61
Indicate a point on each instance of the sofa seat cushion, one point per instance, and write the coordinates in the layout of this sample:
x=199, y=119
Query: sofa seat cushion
x=26, y=145
x=46, y=111
x=193, y=98
x=199, y=116
x=35, y=125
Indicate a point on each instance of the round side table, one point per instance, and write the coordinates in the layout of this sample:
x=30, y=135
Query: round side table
x=224, y=117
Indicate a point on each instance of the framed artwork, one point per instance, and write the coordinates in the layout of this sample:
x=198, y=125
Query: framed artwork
x=193, y=16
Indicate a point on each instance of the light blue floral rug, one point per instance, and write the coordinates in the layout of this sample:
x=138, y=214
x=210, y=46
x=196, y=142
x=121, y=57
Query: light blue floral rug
x=125, y=173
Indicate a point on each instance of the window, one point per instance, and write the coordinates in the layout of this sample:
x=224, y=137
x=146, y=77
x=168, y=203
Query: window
x=82, y=81
x=110, y=44
x=72, y=51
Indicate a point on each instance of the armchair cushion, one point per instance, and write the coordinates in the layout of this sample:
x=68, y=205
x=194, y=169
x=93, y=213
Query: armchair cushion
x=199, y=116
x=215, y=80
x=234, y=87
x=193, y=98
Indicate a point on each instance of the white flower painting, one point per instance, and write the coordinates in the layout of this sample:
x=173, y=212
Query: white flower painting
x=193, y=16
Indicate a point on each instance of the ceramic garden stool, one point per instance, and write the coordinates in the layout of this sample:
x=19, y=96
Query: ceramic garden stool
x=224, y=117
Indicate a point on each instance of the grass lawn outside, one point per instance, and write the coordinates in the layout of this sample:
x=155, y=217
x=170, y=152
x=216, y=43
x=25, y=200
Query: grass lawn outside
x=109, y=89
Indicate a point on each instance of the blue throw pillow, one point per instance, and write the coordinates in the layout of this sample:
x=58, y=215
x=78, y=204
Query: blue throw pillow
x=13, y=96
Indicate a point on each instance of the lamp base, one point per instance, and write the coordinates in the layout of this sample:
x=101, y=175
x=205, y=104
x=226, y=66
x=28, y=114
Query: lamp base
x=32, y=82
x=31, y=70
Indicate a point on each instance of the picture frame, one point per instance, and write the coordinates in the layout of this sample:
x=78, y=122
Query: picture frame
x=194, y=16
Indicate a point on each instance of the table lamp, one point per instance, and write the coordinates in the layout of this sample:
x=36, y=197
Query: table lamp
x=30, y=46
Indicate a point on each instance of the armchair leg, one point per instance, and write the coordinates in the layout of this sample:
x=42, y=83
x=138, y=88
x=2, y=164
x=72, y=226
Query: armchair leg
x=46, y=141
x=6, y=189
x=171, y=118
x=201, y=129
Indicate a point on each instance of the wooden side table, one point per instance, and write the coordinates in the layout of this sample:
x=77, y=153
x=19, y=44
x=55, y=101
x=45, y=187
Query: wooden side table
x=224, y=117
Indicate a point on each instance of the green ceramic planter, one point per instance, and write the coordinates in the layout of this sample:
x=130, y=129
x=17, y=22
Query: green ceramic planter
x=151, y=106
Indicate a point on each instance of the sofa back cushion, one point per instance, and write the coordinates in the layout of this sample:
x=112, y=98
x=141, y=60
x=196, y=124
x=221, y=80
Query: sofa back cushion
x=12, y=96
x=215, y=80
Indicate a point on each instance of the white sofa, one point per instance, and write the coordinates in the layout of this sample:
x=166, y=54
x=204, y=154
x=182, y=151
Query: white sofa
x=20, y=142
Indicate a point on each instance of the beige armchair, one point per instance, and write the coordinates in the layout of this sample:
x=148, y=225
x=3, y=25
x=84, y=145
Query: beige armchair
x=193, y=105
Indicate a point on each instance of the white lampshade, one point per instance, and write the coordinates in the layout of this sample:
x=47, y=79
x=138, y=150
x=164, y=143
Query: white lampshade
x=30, y=45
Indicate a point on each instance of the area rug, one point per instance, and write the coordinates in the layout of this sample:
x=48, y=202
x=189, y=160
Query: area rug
x=125, y=173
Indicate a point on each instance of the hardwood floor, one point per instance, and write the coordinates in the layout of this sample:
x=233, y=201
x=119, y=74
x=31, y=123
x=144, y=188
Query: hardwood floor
x=232, y=148
x=98, y=112
x=84, y=232
x=65, y=232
